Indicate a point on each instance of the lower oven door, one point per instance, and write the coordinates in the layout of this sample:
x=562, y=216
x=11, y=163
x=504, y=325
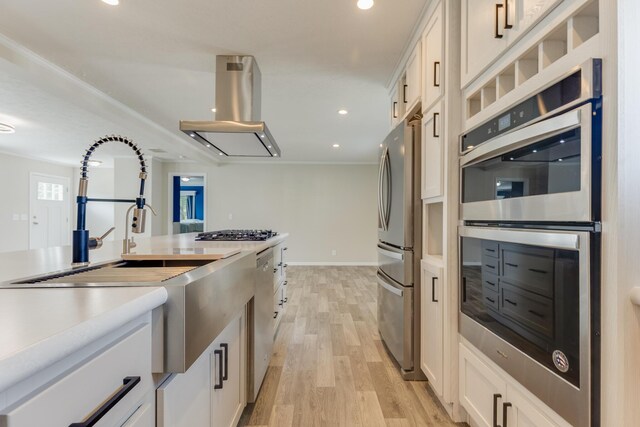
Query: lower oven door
x=527, y=300
x=395, y=315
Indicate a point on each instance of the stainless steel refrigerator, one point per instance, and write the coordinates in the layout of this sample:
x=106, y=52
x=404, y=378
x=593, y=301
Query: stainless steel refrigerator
x=400, y=246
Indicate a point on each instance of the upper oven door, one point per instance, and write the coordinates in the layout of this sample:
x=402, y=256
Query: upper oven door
x=542, y=172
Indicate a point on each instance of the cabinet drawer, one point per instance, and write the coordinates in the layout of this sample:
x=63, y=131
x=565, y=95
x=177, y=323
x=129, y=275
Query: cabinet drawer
x=532, y=268
x=83, y=390
x=491, y=298
x=526, y=308
x=490, y=265
x=490, y=281
x=490, y=248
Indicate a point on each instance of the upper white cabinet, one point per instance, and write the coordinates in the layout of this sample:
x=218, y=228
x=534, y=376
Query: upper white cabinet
x=431, y=326
x=412, y=88
x=433, y=54
x=489, y=27
x=432, y=153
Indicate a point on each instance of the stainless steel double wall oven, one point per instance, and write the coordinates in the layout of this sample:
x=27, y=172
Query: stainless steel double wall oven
x=399, y=246
x=530, y=243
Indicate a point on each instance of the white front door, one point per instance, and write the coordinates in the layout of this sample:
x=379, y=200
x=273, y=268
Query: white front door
x=49, y=222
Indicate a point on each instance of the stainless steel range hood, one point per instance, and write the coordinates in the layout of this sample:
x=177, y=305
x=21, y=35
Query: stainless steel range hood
x=237, y=130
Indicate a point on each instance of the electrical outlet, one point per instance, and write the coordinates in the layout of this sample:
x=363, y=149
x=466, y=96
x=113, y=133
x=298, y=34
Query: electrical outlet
x=16, y=217
x=333, y=252
x=230, y=217
x=24, y=217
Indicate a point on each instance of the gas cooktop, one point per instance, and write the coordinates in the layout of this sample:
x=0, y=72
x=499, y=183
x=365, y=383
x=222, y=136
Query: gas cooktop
x=236, y=235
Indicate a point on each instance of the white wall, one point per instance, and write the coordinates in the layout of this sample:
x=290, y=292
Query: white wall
x=14, y=197
x=323, y=207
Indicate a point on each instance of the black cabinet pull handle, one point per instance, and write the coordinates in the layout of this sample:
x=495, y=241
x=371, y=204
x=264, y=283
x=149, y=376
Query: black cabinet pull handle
x=404, y=93
x=285, y=283
x=285, y=249
x=505, y=415
x=433, y=289
x=225, y=347
x=510, y=302
x=498, y=7
x=275, y=270
x=286, y=299
x=436, y=74
x=507, y=26
x=493, y=267
x=492, y=301
x=128, y=384
x=218, y=386
x=435, y=122
x=279, y=264
x=490, y=250
x=511, y=265
x=395, y=111
x=275, y=314
x=535, y=313
x=286, y=265
x=281, y=303
x=464, y=289
x=495, y=409
x=490, y=283
x=535, y=270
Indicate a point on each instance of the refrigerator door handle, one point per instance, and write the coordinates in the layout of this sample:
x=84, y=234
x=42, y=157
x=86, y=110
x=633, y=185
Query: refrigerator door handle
x=380, y=169
x=390, y=254
x=386, y=172
x=389, y=287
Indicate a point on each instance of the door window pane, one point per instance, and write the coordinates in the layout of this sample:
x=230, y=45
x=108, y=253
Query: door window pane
x=50, y=191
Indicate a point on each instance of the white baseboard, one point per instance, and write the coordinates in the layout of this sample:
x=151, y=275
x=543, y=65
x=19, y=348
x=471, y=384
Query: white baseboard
x=336, y=264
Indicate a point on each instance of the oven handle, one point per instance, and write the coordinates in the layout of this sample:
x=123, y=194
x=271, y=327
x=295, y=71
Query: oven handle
x=525, y=136
x=389, y=287
x=548, y=239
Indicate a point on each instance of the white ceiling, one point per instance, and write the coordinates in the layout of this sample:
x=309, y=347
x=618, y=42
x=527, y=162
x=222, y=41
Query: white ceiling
x=156, y=59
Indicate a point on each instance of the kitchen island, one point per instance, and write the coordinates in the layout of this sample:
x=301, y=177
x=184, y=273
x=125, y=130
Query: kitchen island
x=54, y=331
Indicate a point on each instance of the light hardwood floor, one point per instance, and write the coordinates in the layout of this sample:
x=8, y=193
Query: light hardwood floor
x=329, y=367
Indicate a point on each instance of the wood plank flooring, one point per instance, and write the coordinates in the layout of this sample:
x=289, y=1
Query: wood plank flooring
x=329, y=367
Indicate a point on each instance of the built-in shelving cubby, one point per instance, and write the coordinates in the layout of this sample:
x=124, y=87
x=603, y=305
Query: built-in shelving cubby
x=567, y=36
x=433, y=226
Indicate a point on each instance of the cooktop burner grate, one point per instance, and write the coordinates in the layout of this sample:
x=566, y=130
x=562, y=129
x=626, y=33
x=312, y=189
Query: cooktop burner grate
x=236, y=235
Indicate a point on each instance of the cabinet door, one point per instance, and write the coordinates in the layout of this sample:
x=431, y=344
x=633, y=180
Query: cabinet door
x=432, y=153
x=433, y=47
x=394, y=107
x=184, y=400
x=227, y=375
x=483, y=36
x=482, y=391
x=522, y=15
x=144, y=416
x=413, y=83
x=431, y=324
x=523, y=412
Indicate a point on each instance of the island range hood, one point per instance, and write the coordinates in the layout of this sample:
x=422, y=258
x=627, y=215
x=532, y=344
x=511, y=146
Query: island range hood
x=237, y=130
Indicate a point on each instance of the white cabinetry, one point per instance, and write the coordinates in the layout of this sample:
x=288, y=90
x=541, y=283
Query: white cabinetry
x=212, y=391
x=489, y=27
x=492, y=398
x=433, y=65
x=279, y=283
x=431, y=324
x=413, y=79
x=120, y=372
x=432, y=153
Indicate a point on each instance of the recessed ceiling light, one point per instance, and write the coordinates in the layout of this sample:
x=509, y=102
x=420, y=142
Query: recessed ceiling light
x=535, y=151
x=275, y=154
x=498, y=184
x=185, y=179
x=111, y=2
x=192, y=135
x=181, y=156
x=562, y=141
x=559, y=160
x=262, y=135
x=220, y=154
x=213, y=110
x=336, y=145
x=343, y=112
x=365, y=4
x=94, y=162
x=208, y=145
x=268, y=146
x=380, y=145
x=5, y=128
x=511, y=158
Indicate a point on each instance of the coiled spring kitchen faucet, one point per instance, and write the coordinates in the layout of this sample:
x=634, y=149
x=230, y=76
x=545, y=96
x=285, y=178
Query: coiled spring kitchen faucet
x=82, y=243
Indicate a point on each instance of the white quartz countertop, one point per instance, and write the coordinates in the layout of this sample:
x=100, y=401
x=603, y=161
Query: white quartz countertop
x=38, y=327
x=41, y=326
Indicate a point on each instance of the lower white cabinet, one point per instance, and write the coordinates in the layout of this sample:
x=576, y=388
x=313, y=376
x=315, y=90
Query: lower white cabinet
x=212, y=392
x=493, y=398
x=119, y=373
x=145, y=415
x=431, y=326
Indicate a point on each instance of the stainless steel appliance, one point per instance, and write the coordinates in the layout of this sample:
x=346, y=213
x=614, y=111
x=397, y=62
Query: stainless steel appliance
x=530, y=243
x=237, y=130
x=236, y=235
x=261, y=319
x=399, y=246
x=539, y=160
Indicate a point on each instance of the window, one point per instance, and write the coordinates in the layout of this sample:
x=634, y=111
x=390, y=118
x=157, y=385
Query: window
x=187, y=205
x=50, y=191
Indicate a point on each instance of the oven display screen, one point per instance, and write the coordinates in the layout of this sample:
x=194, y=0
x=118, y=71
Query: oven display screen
x=504, y=122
